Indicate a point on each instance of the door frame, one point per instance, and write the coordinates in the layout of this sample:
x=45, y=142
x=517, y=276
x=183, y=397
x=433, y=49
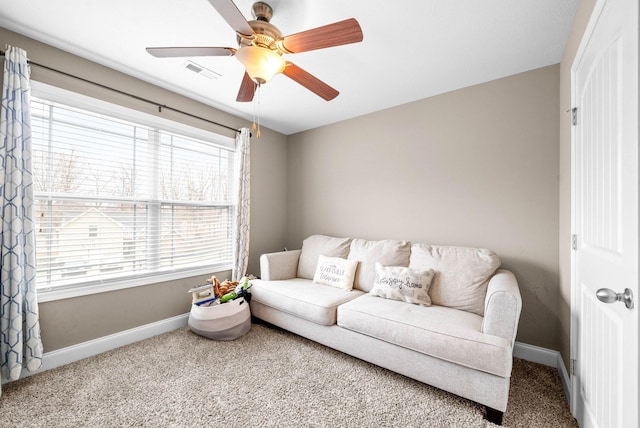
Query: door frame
x=586, y=35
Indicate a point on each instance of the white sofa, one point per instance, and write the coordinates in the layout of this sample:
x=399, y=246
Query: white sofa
x=461, y=343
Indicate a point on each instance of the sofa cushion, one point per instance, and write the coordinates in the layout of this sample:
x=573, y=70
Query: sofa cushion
x=336, y=272
x=403, y=283
x=368, y=253
x=462, y=274
x=441, y=332
x=302, y=298
x=317, y=245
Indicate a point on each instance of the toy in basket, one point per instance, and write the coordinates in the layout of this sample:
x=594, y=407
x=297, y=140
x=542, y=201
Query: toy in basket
x=221, y=310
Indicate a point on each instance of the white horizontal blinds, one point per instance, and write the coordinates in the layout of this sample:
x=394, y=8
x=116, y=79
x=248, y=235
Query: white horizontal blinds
x=116, y=199
x=196, y=209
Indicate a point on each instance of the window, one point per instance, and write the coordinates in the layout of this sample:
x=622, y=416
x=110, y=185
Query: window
x=123, y=199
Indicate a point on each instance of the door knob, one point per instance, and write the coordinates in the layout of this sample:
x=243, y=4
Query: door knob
x=607, y=295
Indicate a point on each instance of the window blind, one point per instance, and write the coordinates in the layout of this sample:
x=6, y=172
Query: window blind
x=116, y=199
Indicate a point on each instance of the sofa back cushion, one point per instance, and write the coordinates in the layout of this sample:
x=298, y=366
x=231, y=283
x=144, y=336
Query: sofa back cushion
x=368, y=253
x=461, y=274
x=317, y=245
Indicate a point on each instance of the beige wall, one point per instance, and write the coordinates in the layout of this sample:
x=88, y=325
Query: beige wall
x=475, y=167
x=585, y=7
x=72, y=321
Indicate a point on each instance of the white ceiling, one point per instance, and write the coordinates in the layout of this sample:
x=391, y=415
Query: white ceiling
x=412, y=49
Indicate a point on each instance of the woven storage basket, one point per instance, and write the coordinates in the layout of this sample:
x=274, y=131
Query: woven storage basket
x=226, y=321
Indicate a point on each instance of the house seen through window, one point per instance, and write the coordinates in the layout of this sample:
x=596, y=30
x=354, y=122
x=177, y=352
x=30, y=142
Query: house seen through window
x=116, y=199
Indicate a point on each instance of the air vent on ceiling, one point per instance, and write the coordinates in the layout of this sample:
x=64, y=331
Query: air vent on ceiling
x=205, y=72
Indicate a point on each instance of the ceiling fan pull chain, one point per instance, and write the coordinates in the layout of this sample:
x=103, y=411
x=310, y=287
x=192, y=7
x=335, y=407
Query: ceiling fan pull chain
x=259, y=92
x=256, y=101
x=254, y=127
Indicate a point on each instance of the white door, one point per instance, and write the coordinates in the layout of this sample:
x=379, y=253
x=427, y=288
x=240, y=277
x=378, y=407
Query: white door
x=605, y=222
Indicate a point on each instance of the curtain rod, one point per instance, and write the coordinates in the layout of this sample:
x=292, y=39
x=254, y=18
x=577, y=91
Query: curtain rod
x=146, y=100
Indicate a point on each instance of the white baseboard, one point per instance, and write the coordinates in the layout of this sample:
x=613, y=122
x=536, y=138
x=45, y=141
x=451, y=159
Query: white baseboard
x=546, y=357
x=73, y=353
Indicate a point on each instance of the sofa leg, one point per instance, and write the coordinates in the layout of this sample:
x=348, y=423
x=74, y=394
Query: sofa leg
x=494, y=416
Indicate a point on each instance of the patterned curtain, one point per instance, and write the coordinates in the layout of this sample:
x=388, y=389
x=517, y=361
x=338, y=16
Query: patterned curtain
x=19, y=326
x=243, y=189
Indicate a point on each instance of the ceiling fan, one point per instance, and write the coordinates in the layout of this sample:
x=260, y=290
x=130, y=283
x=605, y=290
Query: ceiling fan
x=261, y=47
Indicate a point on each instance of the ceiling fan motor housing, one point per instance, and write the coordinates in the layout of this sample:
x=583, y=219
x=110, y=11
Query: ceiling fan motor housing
x=261, y=11
x=264, y=36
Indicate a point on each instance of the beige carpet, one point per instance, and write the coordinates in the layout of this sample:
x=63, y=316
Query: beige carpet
x=267, y=378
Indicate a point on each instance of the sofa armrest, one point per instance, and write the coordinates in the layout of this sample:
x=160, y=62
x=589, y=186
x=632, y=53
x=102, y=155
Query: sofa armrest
x=280, y=265
x=502, y=306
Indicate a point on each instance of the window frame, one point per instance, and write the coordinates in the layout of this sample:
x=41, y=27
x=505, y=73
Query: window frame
x=74, y=99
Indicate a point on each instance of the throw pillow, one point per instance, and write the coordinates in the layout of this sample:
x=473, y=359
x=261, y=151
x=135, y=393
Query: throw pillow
x=315, y=245
x=462, y=274
x=403, y=283
x=335, y=272
x=368, y=253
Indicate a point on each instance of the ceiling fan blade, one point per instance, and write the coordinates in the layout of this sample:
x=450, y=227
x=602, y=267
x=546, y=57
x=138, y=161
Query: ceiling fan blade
x=336, y=34
x=230, y=12
x=174, y=52
x=309, y=81
x=247, y=89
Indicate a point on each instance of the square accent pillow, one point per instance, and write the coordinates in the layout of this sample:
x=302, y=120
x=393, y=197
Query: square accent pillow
x=462, y=274
x=403, y=283
x=335, y=272
x=314, y=246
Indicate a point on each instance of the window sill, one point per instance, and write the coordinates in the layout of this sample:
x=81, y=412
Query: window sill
x=50, y=295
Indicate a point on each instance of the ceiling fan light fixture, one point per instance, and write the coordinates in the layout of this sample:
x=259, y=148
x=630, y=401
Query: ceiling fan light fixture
x=261, y=63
